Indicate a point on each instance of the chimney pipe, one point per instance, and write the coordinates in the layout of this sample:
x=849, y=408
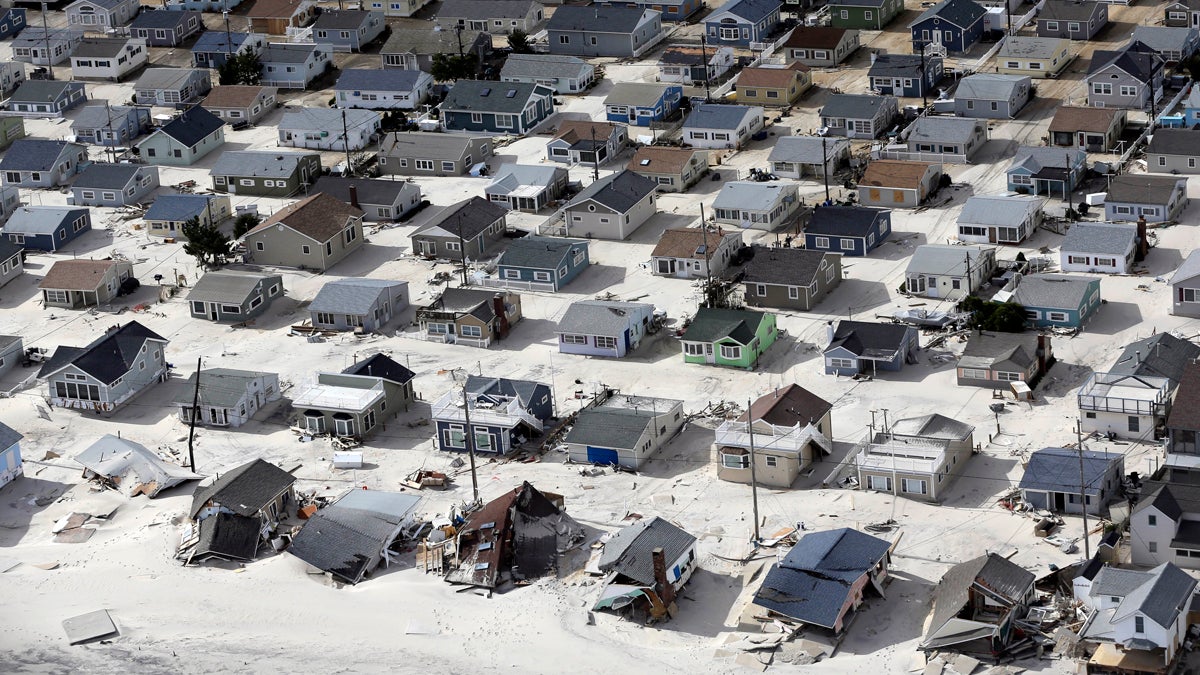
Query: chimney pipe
x=501, y=316
x=666, y=592
x=1042, y=356
x=1143, y=245
x=829, y=332
x=354, y=196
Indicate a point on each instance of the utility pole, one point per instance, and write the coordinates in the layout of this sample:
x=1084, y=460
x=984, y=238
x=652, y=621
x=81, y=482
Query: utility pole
x=704, y=58
x=458, y=33
x=753, y=475
x=1087, y=548
x=228, y=37
x=708, y=289
x=462, y=248
x=46, y=33
x=192, y=421
x=112, y=151
x=825, y=165
x=595, y=157
x=346, y=143
x=469, y=438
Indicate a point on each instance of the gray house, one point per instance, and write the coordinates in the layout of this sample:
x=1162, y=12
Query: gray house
x=1185, y=287
x=1071, y=20
x=375, y=89
x=859, y=115
x=603, y=31
x=347, y=30
x=104, y=184
x=360, y=305
x=293, y=65
x=415, y=153
x=313, y=234
x=225, y=295
x=787, y=278
x=12, y=351
x=262, y=173
x=1171, y=43
x=951, y=139
x=499, y=17
x=809, y=156
x=39, y=163
x=354, y=402
x=166, y=29
x=1000, y=219
x=228, y=398
x=380, y=200
x=1171, y=151
x=45, y=98
x=45, y=46
x=12, y=265
x=1155, y=198
x=171, y=86
x=526, y=187
x=110, y=125
x=1125, y=78
x=414, y=49
x=184, y=140
x=108, y=372
x=565, y=74
x=996, y=360
x=949, y=271
x=474, y=225
x=612, y=208
x=992, y=96
x=1052, y=480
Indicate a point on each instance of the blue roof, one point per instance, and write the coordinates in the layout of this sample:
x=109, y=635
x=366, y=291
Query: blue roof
x=753, y=10
x=214, y=41
x=375, y=80
x=34, y=220
x=1057, y=470
x=33, y=154
x=844, y=554
x=177, y=207
x=717, y=116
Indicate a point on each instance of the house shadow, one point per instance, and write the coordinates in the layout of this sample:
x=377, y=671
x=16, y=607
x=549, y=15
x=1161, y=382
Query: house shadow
x=24, y=498
x=366, y=260
x=980, y=480
x=496, y=161
x=858, y=296
x=596, y=279
x=883, y=623
x=19, y=291
x=1162, y=262
x=1115, y=317
x=283, y=312
x=703, y=604
x=1062, y=380
x=89, y=242
x=651, y=230
x=689, y=449
x=898, y=245
x=996, y=149
x=656, y=348
x=814, y=476
x=528, y=332
x=781, y=356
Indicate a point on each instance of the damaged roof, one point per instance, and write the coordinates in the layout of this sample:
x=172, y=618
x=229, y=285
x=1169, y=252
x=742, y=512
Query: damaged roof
x=347, y=538
x=629, y=553
x=131, y=467
x=245, y=490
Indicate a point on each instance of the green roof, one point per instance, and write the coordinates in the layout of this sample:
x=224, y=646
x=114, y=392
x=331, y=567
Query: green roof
x=711, y=325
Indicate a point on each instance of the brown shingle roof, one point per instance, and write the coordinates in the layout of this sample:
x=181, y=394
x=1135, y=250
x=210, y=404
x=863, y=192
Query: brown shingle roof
x=894, y=173
x=818, y=37
x=320, y=217
x=1080, y=118
x=662, y=160
x=232, y=96
x=776, y=78
x=788, y=406
x=1185, y=411
x=685, y=242
x=578, y=130
x=76, y=275
x=272, y=9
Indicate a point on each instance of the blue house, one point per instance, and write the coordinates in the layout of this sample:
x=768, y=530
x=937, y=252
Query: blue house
x=1056, y=300
x=955, y=24
x=849, y=230
x=1049, y=171
x=110, y=125
x=497, y=107
x=640, y=103
x=604, y=327
x=901, y=74
x=214, y=47
x=504, y=413
x=10, y=452
x=12, y=21
x=542, y=262
x=865, y=347
x=743, y=22
x=47, y=228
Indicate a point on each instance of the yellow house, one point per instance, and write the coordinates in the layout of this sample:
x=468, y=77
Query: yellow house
x=1033, y=56
x=775, y=86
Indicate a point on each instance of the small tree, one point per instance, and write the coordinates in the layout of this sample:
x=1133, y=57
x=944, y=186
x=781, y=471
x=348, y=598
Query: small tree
x=242, y=68
x=206, y=243
x=449, y=67
x=518, y=41
x=244, y=224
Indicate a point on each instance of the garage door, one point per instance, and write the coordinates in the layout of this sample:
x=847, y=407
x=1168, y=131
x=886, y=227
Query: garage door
x=601, y=455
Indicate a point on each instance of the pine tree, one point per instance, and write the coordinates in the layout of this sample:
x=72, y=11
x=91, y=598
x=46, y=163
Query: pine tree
x=205, y=243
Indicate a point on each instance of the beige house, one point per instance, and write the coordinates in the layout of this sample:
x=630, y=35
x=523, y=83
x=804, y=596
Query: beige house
x=917, y=457
x=84, y=283
x=240, y=104
x=1043, y=57
x=313, y=234
x=693, y=252
x=674, y=169
x=773, y=86
x=788, y=428
x=893, y=183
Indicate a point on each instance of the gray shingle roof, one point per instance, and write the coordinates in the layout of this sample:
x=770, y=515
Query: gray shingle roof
x=599, y=317
x=790, y=266
x=1103, y=238
x=41, y=219
x=752, y=196
x=538, y=252
x=641, y=94
x=167, y=78
x=595, y=19
x=1032, y=47
x=485, y=9
x=40, y=91
x=1004, y=211
x=492, y=96
x=177, y=207
x=1188, y=269
x=807, y=149
x=1164, y=38
x=985, y=350
x=543, y=65
x=1143, y=188
x=1067, y=10
x=1057, y=470
x=160, y=19
x=105, y=176
x=219, y=387
x=944, y=129
x=1184, y=142
x=342, y=19
x=854, y=221
x=470, y=217
x=962, y=13
x=865, y=338
x=1159, y=355
x=103, y=47
x=713, y=116
x=1162, y=594
x=407, y=41
x=1052, y=290
x=262, y=163
x=629, y=552
x=352, y=296
x=35, y=154
x=344, y=538
x=933, y=426
x=97, y=116
x=989, y=86
x=945, y=259
x=370, y=190
x=227, y=286
x=897, y=65
x=391, y=79
x=314, y=119
x=8, y=436
x=215, y=41
x=605, y=427
x=853, y=106
x=711, y=324
x=287, y=53
x=244, y=490
x=619, y=192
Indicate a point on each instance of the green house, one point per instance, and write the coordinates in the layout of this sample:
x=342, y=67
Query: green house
x=864, y=14
x=11, y=128
x=728, y=337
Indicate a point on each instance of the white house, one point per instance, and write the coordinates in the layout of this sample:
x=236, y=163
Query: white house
x=108, y=58
x=1099, y=247
x=383, y=89
x=328, y=129
x=722, y=126
x=1139, y=616
x=228, y=398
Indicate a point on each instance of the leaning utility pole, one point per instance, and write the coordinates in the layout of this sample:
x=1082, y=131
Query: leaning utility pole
x=192, y=421
x=346, y=143
x=49, y=57
x=825, y=165
x=753, y=475
x=469, y=438
x=1087, y=548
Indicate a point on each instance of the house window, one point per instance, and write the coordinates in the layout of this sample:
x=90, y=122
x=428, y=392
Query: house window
x=1134, y=424
x=574, y=339
x=541, y=276
x=306, y=249
x=867, y=15
x=1127, y=90
x=731, y=352
x=1051, y=25
x=821, y=242
x=693, y=348
x=1005, y=376
x=259, y=246
x=735, y=461
x=1102, y=88
x=913, y=486
x=606, y=342
x=1152, y=547
x=881, y=483
x=1139, y=624
x=840, y=363
x=1021, y=179
x=454, y=437
x=325, y=318
x=847, y=244
x=793, y=293
x=760, y=290
x=1057, y=316
x=471, y=331
x=512, y=274
x=423, y=164
x=1152, y=521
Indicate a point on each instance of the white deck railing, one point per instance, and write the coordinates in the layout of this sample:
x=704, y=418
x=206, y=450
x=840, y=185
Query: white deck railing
x=450, y=407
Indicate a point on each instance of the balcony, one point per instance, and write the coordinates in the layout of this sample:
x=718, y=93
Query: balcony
x=911, y=456
x=450, y=408
x=770, y=437
x=1125, y=394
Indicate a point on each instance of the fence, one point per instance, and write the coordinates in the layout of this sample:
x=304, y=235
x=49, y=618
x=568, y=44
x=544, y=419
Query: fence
x=938, y=157
x=496, y=282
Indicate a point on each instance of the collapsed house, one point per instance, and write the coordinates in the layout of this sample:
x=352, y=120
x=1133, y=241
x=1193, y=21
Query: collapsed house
x=350, y=538
x=516, y=537
x=130, y=468
x=232, y=515
x=976, y=605
x=647, y=565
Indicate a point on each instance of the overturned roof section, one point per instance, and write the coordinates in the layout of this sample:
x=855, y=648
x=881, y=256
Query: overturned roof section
x=131, y=467
x=245, y=490
x=349, y=537
x=1005, y=584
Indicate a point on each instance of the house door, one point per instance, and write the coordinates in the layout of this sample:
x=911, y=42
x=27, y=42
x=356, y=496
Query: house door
x=426, y=247
x=708, y=354
x=212, y=311
x=602, y=455
x=931, y=287
x=1060, y=502
x=1195, y=19
x=991, y=235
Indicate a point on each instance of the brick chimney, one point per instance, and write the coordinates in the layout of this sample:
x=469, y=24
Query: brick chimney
x=1143, y=244
x=666, y=592
x=1042, y=354
x=354, y=196
x=501, y=315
